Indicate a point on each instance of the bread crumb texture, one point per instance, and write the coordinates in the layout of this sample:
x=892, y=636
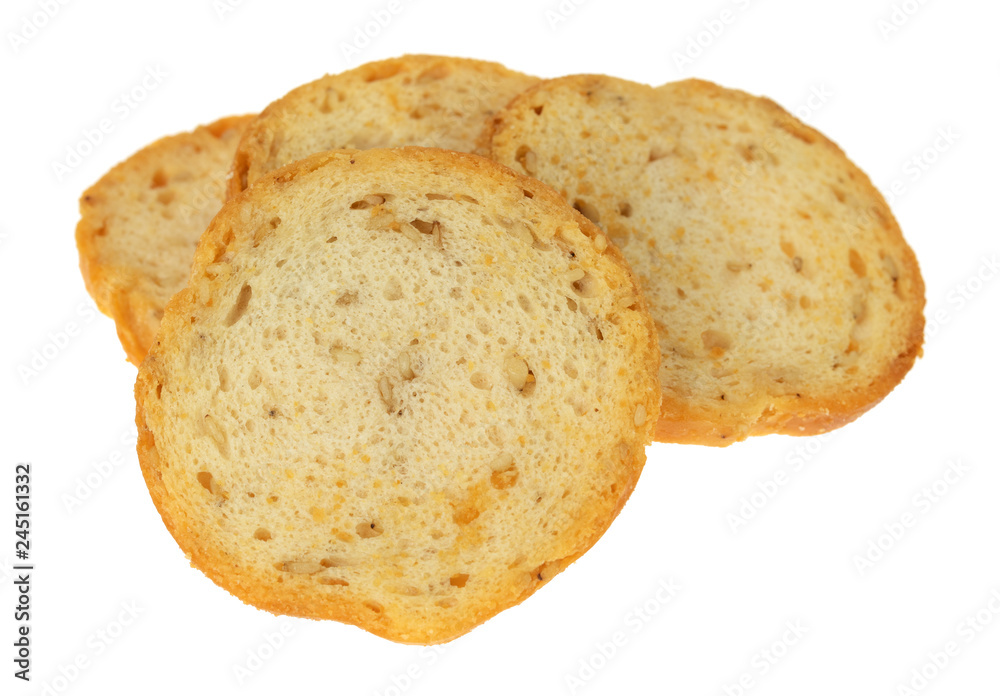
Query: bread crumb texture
x=785, y=296
x=424, y=100
x=139, y=225
x=403, y=390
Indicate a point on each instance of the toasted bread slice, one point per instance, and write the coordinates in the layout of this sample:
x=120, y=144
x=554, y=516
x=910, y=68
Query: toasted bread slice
x=430, y=101
x=141, y=222
x=403, y=389
x=786, y=298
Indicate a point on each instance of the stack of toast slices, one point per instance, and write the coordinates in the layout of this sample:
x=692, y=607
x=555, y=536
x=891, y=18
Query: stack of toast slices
x=404, y=336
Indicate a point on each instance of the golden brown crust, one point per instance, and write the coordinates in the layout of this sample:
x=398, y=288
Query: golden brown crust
x=120, y=289
x=258, y=151
x=226, y=235
x=802, y=416
x=682, y=420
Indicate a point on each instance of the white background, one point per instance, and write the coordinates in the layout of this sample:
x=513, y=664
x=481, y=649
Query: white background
x=887, y=96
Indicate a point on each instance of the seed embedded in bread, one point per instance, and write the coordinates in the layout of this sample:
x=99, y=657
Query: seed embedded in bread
x=785, y=295
x=415, y=465
x=140, y=223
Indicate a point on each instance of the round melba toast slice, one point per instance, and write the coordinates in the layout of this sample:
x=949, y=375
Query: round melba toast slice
x=787, y=300
x=140, y=224
x=403, y=389
x=429, y=101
